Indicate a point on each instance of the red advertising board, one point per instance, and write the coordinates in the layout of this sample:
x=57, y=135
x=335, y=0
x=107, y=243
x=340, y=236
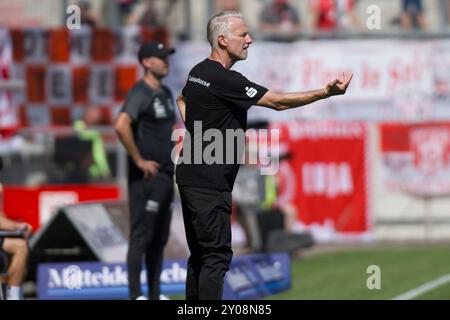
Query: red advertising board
x=325, y=177
x=37, y=205
x=416, y=157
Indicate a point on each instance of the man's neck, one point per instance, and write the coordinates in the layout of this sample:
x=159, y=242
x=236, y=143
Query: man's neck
x=152, y=81
x=222, y=57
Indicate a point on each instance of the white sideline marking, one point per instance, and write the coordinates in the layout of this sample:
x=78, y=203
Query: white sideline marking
x=424, y=288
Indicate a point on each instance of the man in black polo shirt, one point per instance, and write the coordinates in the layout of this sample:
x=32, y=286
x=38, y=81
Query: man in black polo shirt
x=144, y=127
x=217, y=98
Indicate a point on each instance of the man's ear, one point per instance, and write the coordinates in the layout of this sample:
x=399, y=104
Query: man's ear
x=147, y=62
x=222, y=40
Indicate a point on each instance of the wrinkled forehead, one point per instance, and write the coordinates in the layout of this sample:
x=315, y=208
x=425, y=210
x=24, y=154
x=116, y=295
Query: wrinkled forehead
x=237, y=24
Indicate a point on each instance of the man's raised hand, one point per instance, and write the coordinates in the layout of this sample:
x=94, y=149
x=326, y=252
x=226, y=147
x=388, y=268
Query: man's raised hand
x=337, y=86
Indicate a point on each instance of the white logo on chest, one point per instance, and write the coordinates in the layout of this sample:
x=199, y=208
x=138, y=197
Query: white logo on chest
x=152, y=206
x=158, y=107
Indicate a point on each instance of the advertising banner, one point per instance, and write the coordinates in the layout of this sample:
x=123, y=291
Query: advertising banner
x=393, y=79
x=325, y=177
x=416, y=158
x=250, y=277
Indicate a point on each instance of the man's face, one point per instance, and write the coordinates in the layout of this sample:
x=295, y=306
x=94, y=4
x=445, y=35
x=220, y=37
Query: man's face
x=159, y=67
x=238, y=40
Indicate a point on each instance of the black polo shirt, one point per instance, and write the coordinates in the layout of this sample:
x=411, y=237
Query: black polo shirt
x=219, y=98
x=153, y=115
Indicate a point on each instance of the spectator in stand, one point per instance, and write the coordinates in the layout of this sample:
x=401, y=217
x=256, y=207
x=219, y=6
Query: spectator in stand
x=334, y=15
x=444, y=7
x=279, y=20
x=227, y=5
x=413, y=16
x=86, y=131
x=125, y=7
x=88, y=18
x=146, y=14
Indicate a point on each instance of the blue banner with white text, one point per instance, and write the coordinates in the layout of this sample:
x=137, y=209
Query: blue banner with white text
x=250, y=277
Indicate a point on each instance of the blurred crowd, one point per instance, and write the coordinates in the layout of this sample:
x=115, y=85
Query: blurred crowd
x=270, y=19
x=287, y=19
x=283, y=18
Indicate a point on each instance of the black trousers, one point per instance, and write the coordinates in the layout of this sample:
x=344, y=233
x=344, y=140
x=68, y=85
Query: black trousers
x=150, y=203
x=206, y=214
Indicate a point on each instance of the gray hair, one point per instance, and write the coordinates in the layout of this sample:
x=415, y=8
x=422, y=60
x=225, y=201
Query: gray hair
x=219, y=24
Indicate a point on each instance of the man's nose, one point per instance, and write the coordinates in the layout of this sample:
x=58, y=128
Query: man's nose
x=249, y=39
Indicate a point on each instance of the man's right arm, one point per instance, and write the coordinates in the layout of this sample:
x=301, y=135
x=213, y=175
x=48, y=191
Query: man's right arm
x=181, y=102
x=284, y=101
x=125, y=133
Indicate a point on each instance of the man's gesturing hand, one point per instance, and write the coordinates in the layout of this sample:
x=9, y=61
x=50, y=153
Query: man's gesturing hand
x=150, y=168
x=337, y=86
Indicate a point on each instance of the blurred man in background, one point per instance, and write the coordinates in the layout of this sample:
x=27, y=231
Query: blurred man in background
x=144, y=127
x=17, y=249
x=88, y=18
x=99, y=168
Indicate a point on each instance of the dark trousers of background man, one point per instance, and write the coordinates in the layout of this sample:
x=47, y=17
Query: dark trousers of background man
x=206, y=214
x=150, y=215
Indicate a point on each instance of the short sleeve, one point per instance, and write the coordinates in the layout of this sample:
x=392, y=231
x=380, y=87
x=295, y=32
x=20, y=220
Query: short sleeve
x=134, y=104
x=239, y=90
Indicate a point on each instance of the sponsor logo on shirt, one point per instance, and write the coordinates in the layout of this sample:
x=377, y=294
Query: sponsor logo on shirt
x=199, y=81
x=158, y=107
x=152, y=206
x=251, y=92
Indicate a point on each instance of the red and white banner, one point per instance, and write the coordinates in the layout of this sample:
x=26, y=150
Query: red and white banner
x=67, y=71
x=8, y=110
x=406, y=79
x=326, y=177
x=416, y=158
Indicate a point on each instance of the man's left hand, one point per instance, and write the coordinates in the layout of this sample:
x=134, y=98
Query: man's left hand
x=338, y=86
